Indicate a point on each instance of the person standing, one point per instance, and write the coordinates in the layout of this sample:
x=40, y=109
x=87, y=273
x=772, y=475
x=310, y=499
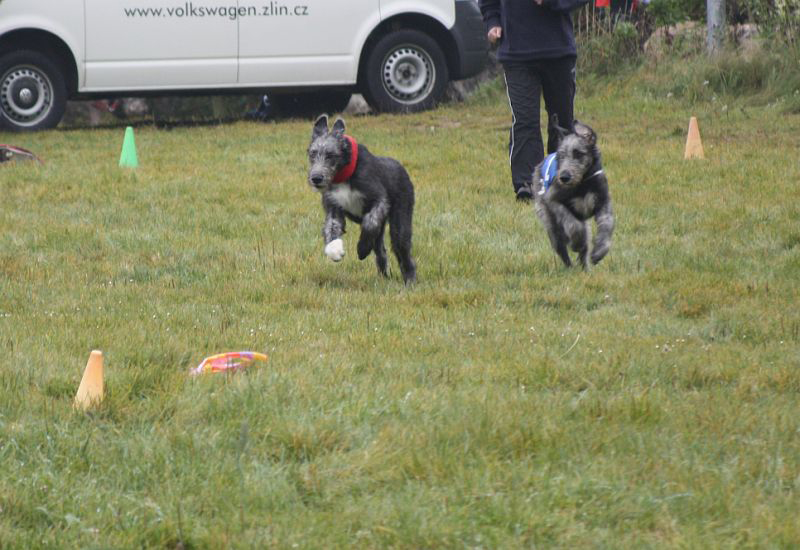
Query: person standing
x=538, y=54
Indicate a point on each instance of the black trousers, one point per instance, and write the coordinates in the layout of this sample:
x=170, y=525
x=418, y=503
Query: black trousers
x=526, y=83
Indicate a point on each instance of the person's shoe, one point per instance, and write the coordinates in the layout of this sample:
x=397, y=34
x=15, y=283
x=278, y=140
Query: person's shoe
x=524, y=194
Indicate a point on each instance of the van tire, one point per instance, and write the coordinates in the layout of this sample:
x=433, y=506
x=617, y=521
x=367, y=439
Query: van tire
x=33, y=95
x=406, y=71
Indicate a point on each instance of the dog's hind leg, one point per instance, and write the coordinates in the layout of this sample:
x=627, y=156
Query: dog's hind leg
x=381, y=260
x=400, y=235
x=371, y=227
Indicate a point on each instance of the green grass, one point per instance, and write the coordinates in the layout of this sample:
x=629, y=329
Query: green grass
x=502, y=402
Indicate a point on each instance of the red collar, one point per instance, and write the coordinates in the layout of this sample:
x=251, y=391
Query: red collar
x=347, y=172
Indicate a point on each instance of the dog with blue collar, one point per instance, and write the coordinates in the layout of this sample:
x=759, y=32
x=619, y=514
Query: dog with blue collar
x=569, y=188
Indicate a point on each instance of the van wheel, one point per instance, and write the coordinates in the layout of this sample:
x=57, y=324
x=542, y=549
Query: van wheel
x=33, y=95
x=406, y=71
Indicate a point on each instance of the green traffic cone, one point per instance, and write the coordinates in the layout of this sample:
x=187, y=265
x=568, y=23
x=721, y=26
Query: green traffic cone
x=128, y=157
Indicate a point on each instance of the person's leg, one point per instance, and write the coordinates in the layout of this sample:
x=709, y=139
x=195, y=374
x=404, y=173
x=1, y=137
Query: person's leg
x=558, y=88
x=526, y=150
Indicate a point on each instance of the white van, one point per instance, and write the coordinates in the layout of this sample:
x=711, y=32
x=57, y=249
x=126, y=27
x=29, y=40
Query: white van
x=399, y=53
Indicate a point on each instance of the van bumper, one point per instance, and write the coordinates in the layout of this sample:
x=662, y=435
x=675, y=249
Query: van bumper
x=470, y=36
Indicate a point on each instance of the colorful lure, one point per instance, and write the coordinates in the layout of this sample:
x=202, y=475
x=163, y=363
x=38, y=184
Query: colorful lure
x=10, y=153
x=224, y=362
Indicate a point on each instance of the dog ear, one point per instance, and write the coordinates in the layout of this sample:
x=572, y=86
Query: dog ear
x=585, y=132
x=338, y=126
x=320, y=127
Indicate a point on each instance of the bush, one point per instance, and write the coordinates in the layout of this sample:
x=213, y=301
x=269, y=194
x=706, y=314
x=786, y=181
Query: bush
x=778, y=20
x=670, y=12
x=607, y=46
x=765, y=76
x=767, y=71
x=608, y=53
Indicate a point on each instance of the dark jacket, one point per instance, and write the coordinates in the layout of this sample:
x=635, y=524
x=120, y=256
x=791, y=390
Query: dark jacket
x=530, y=31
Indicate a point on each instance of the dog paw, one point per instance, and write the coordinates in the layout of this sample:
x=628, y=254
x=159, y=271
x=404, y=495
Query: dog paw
x=335, y=250
x=598, y=253
x=364, y=248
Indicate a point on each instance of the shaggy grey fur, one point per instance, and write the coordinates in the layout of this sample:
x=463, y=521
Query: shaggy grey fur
x=578, y=193
x=378, y=191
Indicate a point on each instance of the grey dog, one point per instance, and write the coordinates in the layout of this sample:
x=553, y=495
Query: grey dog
x=368, y=190
x=569, y=188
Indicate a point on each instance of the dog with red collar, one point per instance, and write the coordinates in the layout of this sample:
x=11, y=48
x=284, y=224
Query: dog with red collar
x=366, y=189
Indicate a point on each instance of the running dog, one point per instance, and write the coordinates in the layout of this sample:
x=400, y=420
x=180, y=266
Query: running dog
x=569, y=188
x=368, y=190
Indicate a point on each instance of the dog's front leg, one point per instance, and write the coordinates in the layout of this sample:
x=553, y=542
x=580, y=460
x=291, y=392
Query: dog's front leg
x=605, y=227
x=332, y=232
x=567, y=229
x=580, y=244
x=558, y=239
x=371, y=227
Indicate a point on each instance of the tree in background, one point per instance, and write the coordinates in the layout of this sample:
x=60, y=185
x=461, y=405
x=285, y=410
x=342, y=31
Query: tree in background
x=715, y=21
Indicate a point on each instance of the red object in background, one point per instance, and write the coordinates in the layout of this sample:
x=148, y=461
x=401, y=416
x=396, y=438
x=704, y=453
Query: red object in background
x=607, y=4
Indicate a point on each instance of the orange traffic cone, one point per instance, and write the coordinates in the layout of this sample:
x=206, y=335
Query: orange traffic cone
x=90, y=392
x=694, y=145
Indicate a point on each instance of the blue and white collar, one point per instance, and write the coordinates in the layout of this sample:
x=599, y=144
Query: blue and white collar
x=548, y=172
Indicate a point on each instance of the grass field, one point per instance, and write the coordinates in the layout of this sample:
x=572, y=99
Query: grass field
x=501, y=403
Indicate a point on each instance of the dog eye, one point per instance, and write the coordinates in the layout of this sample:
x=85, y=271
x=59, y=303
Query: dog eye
x=577, y=155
